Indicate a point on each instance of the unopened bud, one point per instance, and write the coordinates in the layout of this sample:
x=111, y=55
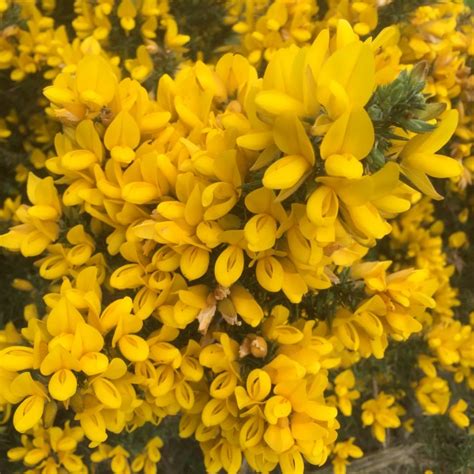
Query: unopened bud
x=22, y=285
x=49, y=414
x=258, y=347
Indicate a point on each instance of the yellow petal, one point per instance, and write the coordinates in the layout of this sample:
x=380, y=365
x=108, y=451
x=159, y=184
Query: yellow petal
x=346, y=166
x=123, y=131
x=403, y=322
x=165, y=380
x=288, y=335
x=323, y=206
x=258, y=384
x=140, y=192
x=152, y=122
x=28, y=413
x=285, y=172
x=133, y=348
x=438, y=166
x=184, y=395
x=294, y=286
x=275, y=102
x=291, y=138
x=77, y=160
x=260, y=232
x=392, y=204
x=270, y=274
x=194, y=262
x=320, y=412
x=421, y=182
x=431, y=142
x=229, y=266
x=255, y=141
x=277, y=407
x=62, y=385
x=246, y=306
x=107, y=393
x=91, y=339
x=368, y=220
x=122, y=154
x=33, y=244
x=291, y=462
x=93, y=425
x=352, y=134
x=94, y=363
x=95, y=80
x=127, y=276
x=215, y=412
x=456, y=413
x=348, y=336
x=353, y=68
x=359, y=191
x=279, y=439
x=251, y=432
x=223, y=385
x=59, y=95
x=16, y=358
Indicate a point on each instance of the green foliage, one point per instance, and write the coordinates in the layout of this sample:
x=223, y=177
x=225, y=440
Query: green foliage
x=401, y=104
x=398, y=11
x=324, y=304
x=164, y=62
x=11, y=18
x=124, y=45
x=462, y=258
x=448, y=448
x=64, y=15
x=178, y=456
x=444, y=447
x=203, y=21
x=12, y=152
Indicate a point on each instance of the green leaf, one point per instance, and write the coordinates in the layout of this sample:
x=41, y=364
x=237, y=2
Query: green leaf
x=417, y=126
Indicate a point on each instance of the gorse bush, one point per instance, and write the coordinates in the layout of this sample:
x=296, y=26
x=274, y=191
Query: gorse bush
x=245, y=224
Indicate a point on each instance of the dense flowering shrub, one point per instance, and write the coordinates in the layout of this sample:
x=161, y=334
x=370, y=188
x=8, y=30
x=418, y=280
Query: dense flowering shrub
x=247, y=240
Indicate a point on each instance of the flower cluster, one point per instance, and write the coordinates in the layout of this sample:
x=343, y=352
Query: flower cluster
x=237, y=244
x=50, y=449
x=441, y=35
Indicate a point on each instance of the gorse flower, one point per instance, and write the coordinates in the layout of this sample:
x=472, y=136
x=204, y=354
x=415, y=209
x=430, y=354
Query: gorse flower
x=236, y=244
x=380, y=414
x=342, y=452
x=344, y=385
x=50, y=449
x=39, y=225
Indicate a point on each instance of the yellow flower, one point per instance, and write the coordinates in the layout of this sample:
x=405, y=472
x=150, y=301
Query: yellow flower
x=38, y=226
x=30, y=410
x=229, y=265
x=141, y=67
x=433, y=394
x=243, y=193
x=380, y=413
x=354, y=86
x=457, y=239
x=457, y=415
x=418, y=158
x=349, y=139
x=344, y=382
x=62, y=385
x=342, y=452
x=118, y=315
